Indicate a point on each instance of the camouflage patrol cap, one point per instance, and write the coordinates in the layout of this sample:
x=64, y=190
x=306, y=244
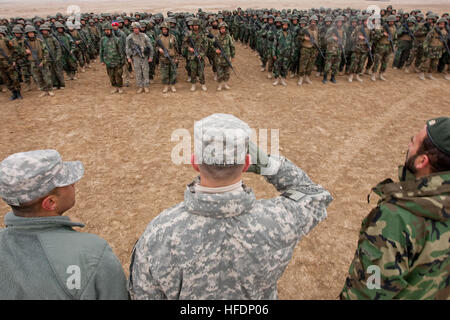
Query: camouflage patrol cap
x=221, y=139
x=28, y=176
x=438, y=130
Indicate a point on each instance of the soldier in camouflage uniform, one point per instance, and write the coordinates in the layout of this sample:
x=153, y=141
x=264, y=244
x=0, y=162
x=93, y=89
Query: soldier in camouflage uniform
x=222, y=243
x=336, y=40
x=223, y=69
x=282, y=53
x=433, y=48
x=10, y=53
x=211, y=54
x=68, y=59
x=23, y=63
x=308, y=54
x=295, y=57
x=38, y=57
x=269, y=45
x=405, y=42
x=112, y=54
x=196, y=63
x=122, y=36
x=384, y=39
x=139, y=50
x=420, y=34
x=320, y=61
x=55, y=55
x=80, y=46
x=167, y=68
x=403, y=247
x=360, y=49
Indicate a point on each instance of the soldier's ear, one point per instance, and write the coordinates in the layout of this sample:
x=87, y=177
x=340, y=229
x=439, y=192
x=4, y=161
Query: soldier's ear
x=422, y=162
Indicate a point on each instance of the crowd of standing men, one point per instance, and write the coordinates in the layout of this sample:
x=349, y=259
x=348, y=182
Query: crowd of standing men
x=331, y=41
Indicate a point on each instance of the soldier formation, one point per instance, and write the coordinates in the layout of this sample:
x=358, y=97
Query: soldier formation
x=296, y=42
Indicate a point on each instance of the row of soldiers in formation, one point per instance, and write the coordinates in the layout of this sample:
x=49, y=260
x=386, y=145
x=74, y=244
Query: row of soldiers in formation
x=287, y=41
x=347, y=40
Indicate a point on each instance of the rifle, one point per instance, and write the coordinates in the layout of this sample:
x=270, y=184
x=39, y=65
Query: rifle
x=49, y=50
x=136, y=48
x=34, y=55
x=64, y=46
x=340, y=44
x=367, y=42
x=386, y=28
x=217, y=45
x=197, y=55
x=444, y=41
x=166, y=53
x=313, y=41
x=408, y=30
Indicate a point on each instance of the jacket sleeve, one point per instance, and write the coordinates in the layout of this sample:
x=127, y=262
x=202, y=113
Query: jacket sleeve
x=110, y=281
x=381, y=259
x=141, y=284
x=302, y=198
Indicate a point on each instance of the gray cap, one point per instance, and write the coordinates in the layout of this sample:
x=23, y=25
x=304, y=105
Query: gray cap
x=221, y=139
x=28, y=176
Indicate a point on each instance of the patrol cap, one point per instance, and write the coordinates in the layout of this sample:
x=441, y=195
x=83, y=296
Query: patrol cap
x=438, y=130
x=221, y=139
x=28, y=176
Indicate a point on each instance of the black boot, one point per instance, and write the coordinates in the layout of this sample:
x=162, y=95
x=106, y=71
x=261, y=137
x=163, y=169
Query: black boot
x=13, y=96
x=333, y=79
x=18, y=95
x=325, y=76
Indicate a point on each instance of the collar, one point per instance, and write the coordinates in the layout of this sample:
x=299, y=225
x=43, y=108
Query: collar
x=11, y=220
x=201, y=189
x=218, y=205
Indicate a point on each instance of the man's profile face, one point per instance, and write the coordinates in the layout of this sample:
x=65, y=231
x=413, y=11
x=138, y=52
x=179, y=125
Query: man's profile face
x=413, y=147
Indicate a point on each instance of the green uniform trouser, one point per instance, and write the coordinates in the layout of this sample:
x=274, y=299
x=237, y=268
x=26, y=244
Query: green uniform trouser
x=431, y=59
x=223, y=72
x=115, y=75
x=403, y=52
x=69, y=64
x=359, y=58
x=42, y=76
x=416, y=54
x=281, y=67
x=197, y=70
x=56, y=71
x=382, y=53
x=168, y=73
x=79, y=55
x=307, y=59
x=333, y=62
x=25, y=70
x=10, y=77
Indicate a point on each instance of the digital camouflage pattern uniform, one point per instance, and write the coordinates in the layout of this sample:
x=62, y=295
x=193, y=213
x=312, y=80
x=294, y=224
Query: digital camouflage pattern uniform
x=407, y=236
x=55, y=57
x=360, y=50
x=383, y=47
x=68, y=59
x=226, y=245
x=308, y=51
x=334, y=50
x=140, y=60
x=417, y=55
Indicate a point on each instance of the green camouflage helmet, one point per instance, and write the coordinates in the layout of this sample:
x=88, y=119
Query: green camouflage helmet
x=17, y=29
x=135, y=25
x=143, y=23
x=421, y=15
x=107, y=26
x=442, y=20
x=314, y=17
x=3, y=30
x=340, y=18
x=285, y=21
x=58, y=25
x=391, y=18
x=411, y=20
x=278, y=19
x=223, y=24
x=164, y=25
x=30, y=28
x=195, y=22
x=303, y=21
x=328, y=19
x=45, y=26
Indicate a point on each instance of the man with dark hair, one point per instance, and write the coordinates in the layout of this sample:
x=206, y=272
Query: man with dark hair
x=41, y=256
x=403, y=248
x=222, y=243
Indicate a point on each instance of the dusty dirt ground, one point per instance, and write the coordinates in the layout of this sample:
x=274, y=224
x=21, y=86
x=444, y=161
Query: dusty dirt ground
x=347, y=137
